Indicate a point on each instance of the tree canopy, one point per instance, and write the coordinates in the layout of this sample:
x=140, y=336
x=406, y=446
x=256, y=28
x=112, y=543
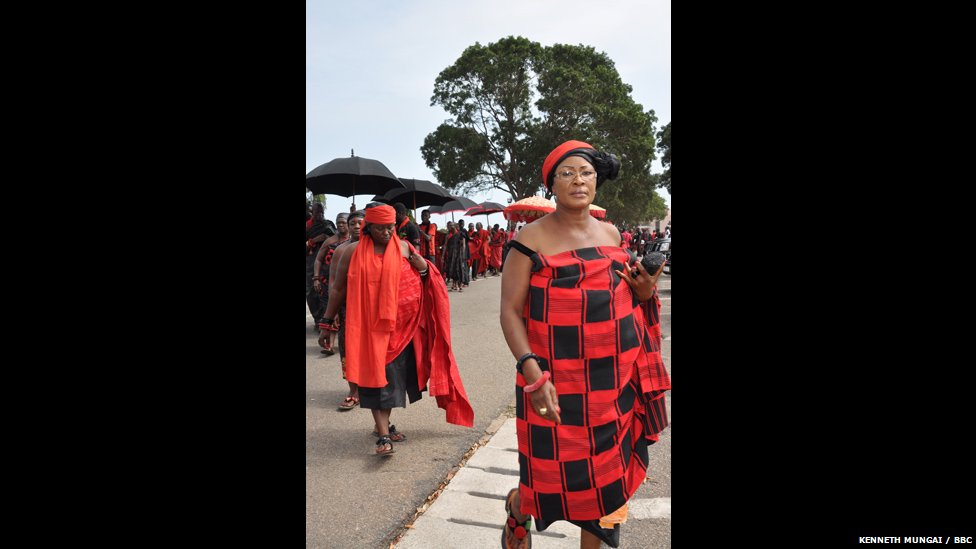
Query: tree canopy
x=513, y=101
x=664, y=145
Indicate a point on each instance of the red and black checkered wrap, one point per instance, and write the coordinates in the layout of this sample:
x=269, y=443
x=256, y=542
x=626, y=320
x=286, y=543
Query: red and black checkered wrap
x=603, y=353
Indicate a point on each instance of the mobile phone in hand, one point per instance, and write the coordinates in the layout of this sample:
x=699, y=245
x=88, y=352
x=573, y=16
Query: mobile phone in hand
x=653, y=261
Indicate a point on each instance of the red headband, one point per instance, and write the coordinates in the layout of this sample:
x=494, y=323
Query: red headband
x=381, y=215
x=557, y=155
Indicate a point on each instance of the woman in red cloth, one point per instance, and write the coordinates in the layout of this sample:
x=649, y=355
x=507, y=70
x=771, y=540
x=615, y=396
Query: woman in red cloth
x=590, y=384
x=397, y=330
x=498, y=239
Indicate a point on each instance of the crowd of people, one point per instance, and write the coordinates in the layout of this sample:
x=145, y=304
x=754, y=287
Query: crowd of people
x=639, y=240
x=579, y=315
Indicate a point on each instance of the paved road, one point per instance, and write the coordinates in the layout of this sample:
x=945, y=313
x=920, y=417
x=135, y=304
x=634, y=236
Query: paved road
x=353, y=499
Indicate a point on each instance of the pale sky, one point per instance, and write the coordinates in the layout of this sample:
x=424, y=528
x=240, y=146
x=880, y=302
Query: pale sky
x=370, y=68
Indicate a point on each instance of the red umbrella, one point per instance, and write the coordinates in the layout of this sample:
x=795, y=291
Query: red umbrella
x=597, y=211
x=486, y=208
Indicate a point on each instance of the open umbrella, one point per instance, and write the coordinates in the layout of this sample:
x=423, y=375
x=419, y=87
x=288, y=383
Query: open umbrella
x=486, y=208
x=351, y=176
x=457, y=204
x=416, y=192
x=597, y=211
x=529, y=209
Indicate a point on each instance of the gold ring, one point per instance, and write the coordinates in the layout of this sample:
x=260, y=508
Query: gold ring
x=543, y=411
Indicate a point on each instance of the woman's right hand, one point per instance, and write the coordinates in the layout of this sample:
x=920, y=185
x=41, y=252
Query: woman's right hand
x=317, y=285
x=545, y=398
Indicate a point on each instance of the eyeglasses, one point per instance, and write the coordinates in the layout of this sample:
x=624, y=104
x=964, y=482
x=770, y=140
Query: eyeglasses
x=569, y=175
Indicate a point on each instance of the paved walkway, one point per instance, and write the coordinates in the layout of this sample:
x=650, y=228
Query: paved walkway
x=470, y=511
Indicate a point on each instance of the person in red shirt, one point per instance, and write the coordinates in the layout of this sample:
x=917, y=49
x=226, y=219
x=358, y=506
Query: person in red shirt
x=484, y=250
x=625, y=238
x=497, y=240
x=428, y=237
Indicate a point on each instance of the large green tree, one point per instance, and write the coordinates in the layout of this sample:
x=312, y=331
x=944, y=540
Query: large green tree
x=513, y=101
x=664, y=145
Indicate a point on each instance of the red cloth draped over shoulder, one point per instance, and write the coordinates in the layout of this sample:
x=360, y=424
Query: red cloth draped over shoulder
x=422, y=315
x=484, y=242
x=373, y=284
x=435, y=358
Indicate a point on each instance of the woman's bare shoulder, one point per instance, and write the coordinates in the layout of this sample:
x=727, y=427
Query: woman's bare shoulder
x=530, y=235
x=347, y=245
x=612, y=232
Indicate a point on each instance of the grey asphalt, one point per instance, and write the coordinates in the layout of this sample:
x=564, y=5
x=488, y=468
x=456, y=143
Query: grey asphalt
x=434, y=492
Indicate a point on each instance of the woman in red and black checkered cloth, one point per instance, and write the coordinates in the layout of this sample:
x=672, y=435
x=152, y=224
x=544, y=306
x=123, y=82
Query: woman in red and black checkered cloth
x=590, y=384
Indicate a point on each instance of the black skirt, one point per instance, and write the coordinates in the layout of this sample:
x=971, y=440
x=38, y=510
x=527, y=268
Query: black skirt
x=401, y=377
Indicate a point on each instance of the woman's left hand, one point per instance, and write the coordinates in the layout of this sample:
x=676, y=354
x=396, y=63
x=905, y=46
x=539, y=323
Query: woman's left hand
x=640, y=281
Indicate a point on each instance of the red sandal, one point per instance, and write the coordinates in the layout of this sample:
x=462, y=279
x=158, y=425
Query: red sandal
x=520, y=537
x=348, y=403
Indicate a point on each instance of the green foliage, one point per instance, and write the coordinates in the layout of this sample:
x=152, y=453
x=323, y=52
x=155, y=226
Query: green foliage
x=664, y=145
x=634, y=204
x=513, y=101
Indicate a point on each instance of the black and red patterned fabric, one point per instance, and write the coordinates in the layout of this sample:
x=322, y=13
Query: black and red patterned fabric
x=603, y=353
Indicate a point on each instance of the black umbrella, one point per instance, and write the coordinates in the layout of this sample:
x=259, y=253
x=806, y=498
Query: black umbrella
x=457, y=204
x=417, y=192
x=351, y=176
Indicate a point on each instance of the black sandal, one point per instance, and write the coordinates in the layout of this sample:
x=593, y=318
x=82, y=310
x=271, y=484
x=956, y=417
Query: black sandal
x=384, y=447
x=520, y=530
x=395, y=436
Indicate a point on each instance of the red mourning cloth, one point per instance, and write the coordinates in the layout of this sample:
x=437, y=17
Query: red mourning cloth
x=497, y=243
x=381, y=215
x=484, y=249
x=552, y=160
x=435, y=359
x=605, y=362
x=428, y=248
x=372, y=304
x=423, y=317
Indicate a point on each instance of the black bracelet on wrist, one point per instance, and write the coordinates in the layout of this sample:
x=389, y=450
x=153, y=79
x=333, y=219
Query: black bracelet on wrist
x=526, y=356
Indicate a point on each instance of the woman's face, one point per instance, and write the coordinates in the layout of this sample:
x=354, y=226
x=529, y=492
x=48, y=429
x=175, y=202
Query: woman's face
x=381, y=233
x=574, y=183
x=355, y=227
